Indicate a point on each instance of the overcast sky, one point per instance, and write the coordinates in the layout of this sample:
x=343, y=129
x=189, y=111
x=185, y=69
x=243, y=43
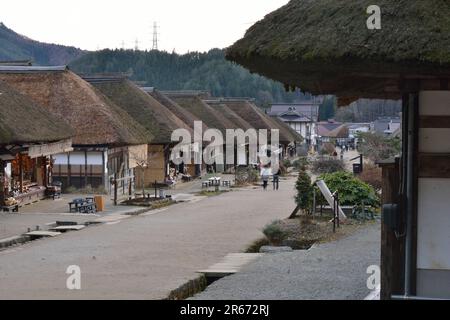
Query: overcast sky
x=195, y=25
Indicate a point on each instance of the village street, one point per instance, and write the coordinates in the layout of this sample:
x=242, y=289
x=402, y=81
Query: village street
x=146, y=256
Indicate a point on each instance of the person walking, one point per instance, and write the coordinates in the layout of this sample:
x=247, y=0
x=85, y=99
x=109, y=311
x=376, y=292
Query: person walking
x=265, y=174
x=276, y=179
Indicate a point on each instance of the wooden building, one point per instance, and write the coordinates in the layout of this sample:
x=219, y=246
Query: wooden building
x=104, y=134
x=247, y=110
x=241, y=155
x=29, y=137
x=152, y=115
x=326, y=47
x=193, y=102
x=302, y=117
x=195, y=170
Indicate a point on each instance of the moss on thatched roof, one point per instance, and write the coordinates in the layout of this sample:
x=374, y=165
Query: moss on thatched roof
x=94, y=118
x=248, y=111
x=195, y=104
x=182, y=113
x=145, y=109
x=22, y=121
x=325, y=47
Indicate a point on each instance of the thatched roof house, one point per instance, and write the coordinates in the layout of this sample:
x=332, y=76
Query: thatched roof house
x=332, y=130
x=145, y=109
x=193, y=102
x=24, y=122
x=95, y=119
x=325, y=47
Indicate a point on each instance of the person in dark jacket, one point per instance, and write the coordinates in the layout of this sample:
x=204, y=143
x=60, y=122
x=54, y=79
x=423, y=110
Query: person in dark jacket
x=276, y=179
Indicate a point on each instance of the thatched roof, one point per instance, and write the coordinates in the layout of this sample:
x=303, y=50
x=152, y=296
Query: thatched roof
x=247, y=110
x=332, y=130
x=146, y=110
x=24, y=122
x=95, y=119
x=221, y=107
x=182, y=113
x=325, y=47
x=194, y=103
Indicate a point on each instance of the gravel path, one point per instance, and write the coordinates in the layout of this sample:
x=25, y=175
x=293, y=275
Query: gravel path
x=335, y=270
x=143, y=257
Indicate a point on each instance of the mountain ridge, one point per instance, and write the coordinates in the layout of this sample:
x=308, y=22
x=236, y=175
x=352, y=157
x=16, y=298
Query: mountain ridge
x=14, y=46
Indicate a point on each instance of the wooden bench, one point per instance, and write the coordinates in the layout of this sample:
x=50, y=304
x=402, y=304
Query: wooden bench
x=75, y=205
x=13, y=208
x=226, y=183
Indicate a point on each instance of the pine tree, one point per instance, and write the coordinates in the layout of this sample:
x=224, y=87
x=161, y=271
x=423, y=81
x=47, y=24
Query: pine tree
x=304, y=195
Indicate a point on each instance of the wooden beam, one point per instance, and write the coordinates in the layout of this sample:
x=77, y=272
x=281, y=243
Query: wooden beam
x=434, y=165
x=434, y=121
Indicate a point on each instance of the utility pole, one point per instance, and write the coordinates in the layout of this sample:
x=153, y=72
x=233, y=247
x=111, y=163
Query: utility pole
x=155, y=36
x=136, y=45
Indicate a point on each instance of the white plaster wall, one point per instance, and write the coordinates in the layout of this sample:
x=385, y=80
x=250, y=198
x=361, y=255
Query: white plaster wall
x=60, y=158
x=433, y=239
x=433, y=246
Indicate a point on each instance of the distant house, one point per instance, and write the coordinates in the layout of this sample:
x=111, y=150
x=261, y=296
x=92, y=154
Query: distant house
x=195, y=170
x=333, y=131
x=302, y=117
x=354, y=129
x=389, y=126
x=247, y=110
x=192, y=101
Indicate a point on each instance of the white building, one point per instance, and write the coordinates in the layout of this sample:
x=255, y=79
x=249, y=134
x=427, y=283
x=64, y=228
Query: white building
x=302, y=117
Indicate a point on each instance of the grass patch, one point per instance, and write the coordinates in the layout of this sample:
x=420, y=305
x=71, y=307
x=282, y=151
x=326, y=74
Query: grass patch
x=208, y=193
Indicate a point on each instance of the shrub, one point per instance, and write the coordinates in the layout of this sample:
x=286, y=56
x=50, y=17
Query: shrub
x=287, y=163
x=246, y=175
x=377, y=147
x=371, y=175
x=304, y=189
x=274, y=232
x=326, y=165
x=300, y=163
x=352, y=191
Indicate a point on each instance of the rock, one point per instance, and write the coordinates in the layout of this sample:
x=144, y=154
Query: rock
x=271, y=249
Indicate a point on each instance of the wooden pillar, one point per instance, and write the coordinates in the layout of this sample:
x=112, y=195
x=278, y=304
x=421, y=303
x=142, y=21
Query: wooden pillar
x=104, y=177
x=69, y=170
x=21, y=173
x=2, y=179
x=115, y=189
x=85, y=169
x=392, y=244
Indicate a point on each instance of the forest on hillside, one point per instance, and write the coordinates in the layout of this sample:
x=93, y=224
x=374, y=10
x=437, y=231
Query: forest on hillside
x=192, y=71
